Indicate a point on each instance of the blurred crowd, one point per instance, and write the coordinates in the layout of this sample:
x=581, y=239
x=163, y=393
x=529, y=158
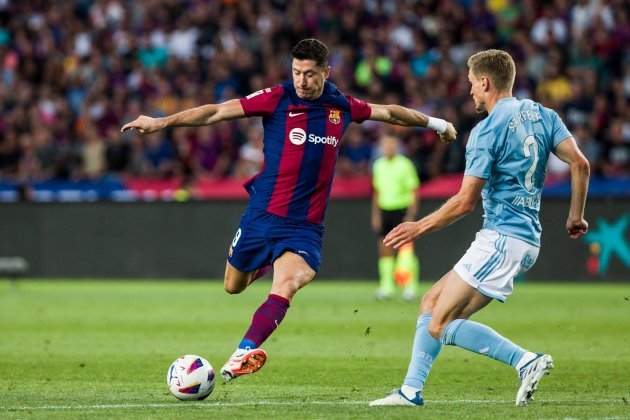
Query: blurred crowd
x=73, y=72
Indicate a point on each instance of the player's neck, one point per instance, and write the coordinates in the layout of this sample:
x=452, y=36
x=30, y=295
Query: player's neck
x=496, y=97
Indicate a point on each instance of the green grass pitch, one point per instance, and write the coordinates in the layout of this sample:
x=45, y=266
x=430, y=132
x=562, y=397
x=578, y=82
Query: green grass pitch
x=100, y=349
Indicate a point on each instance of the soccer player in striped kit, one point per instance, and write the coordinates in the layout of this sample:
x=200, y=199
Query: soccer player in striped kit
x=304, y=120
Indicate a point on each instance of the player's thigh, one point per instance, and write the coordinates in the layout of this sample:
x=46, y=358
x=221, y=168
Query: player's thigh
x=290, y=273
x=430, y=297
x=493, y=260
x=457, y=300
x=249, y=250
x=384, y=250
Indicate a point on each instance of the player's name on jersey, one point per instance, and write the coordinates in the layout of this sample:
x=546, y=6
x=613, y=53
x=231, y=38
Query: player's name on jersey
x=528, y=115
x=529, y=201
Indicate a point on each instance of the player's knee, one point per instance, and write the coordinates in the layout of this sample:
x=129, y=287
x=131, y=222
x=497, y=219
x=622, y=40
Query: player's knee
x=427, y=303
x=303, y=277
x=233, y=287
x=435, y=328
x=295, y=280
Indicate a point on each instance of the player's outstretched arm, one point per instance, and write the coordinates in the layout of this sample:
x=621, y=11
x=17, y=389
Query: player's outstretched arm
x=407, y=117
x=201, y=115
x=569, y=152
x=455, y=208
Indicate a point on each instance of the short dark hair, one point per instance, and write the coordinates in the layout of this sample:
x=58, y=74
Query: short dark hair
x=311, y=49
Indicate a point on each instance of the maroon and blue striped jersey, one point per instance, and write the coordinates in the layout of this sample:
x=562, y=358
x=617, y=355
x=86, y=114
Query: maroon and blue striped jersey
x=301, y=144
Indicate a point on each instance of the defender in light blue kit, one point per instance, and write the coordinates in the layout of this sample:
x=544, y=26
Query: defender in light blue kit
x=510, y=149
x=506, y=158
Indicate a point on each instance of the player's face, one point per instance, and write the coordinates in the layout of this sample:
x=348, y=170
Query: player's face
x=389, y=146
x=477, y=89
x=309, y=78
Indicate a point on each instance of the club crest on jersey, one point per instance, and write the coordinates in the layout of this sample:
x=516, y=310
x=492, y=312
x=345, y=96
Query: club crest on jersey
x=334, y=116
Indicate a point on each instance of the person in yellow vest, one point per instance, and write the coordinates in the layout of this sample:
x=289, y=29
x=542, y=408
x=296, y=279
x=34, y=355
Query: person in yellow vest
x=395, y=182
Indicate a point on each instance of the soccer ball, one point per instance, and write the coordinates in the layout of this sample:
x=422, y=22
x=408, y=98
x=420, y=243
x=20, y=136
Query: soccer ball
x=190, y=377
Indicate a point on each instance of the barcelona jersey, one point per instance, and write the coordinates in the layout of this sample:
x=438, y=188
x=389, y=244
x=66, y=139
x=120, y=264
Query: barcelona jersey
x=301, y=144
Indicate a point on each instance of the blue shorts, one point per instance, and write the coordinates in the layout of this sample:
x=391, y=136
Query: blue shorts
x=263, y=237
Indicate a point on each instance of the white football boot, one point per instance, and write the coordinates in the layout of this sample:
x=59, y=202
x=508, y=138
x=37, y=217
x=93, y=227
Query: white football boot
x=398, y=398
x=530, y=375
x=410, y=295
x=243, y=362
x=382, y=294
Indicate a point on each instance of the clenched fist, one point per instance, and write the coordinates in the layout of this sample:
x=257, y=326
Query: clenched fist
x=449, y=135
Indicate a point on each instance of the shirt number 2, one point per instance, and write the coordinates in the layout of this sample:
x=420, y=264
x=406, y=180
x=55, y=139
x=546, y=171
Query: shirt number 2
x=530, y=149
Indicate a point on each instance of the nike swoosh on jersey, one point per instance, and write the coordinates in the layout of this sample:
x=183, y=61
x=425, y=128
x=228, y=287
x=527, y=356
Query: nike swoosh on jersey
x=295, y=114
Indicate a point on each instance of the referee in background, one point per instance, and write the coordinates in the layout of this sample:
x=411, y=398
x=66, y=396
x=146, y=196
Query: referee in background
x=394, y=201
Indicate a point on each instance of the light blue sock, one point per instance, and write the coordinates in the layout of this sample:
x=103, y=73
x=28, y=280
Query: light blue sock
x=425, y=350
x=478, y=338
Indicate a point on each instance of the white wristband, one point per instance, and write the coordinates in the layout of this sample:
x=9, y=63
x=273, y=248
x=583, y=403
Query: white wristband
x=437, y=124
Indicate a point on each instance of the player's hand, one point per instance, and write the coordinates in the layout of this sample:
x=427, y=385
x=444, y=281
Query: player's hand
x=576, y=228
x=449, y=135
x=401, y=234
x=144, y=125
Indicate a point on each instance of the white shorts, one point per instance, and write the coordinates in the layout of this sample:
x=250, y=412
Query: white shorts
x=492, y=262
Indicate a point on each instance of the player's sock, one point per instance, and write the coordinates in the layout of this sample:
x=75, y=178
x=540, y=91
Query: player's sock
x=407, y=268
x=265, y=320
x=386, y=273
x=481, y=339
x=425, y=350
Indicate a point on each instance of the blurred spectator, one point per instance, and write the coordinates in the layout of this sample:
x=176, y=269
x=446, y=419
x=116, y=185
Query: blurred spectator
x=92, y=155
x=71, y=73
x=555, y=88
x=158, y=155
x=355, y=154
x=117, y=152
x=617, y=151
x=549, y=28
x=250, y=154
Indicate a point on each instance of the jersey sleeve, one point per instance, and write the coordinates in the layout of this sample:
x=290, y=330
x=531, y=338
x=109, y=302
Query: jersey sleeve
x=262, y=102
x=479, y=154
x=359, y=110
x=559, y=130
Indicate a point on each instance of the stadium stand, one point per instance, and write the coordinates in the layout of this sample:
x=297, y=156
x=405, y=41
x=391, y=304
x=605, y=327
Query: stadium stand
x=73, y=72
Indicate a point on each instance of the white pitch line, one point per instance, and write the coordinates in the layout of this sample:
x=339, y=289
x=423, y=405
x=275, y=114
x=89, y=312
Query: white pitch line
x=275, y=403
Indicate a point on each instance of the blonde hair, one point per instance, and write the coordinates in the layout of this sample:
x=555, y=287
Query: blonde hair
x=497, y=65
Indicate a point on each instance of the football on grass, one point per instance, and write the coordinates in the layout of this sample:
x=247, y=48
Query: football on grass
x=190, y=377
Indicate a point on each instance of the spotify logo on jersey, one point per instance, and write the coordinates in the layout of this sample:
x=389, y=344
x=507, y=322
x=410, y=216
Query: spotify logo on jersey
x=297, y=136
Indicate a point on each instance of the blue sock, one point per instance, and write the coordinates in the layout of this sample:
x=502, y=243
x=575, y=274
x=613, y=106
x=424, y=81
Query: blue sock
x=425, y=350
x=481, y=339
x=245, y=343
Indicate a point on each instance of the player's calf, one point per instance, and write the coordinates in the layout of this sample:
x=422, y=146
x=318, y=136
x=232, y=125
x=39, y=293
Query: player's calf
x=291, y=273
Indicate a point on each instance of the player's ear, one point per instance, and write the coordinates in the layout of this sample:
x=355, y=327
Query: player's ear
x=485, y=83
x=327, y=72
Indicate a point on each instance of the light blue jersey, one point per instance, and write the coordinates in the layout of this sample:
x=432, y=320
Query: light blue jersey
x=510, y=149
